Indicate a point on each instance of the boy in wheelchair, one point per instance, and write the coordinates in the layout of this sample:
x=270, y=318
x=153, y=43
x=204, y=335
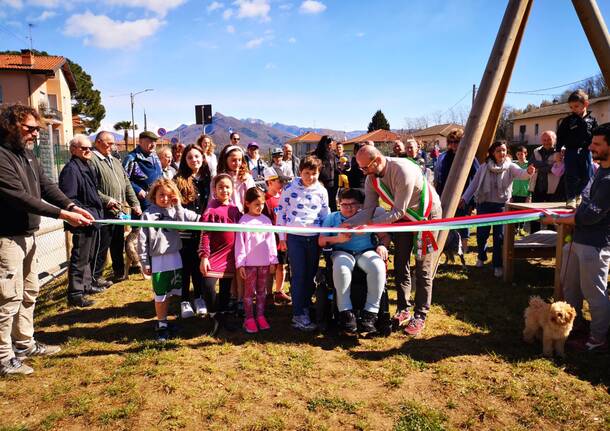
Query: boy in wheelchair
x=350, y=253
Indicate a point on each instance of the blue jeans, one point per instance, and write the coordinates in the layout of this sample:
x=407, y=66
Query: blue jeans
x=483, y=234
x=304, y=257
x=578, y=171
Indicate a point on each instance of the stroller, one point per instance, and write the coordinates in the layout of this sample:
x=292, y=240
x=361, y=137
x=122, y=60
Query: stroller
x=327, y=313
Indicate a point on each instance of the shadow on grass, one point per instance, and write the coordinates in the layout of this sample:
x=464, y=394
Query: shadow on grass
x=70, y=316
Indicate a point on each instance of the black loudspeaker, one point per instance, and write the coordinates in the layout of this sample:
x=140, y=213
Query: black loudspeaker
x=203, y=114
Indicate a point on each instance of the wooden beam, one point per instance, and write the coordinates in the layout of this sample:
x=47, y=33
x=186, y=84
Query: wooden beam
x=498, y=70
x=595, y=28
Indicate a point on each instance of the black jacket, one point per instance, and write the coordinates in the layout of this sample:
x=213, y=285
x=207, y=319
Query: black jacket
x=574, y=132
x=22, y=185
x=78, y=181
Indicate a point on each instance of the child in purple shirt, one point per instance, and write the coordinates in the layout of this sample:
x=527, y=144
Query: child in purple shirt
x=255, y=258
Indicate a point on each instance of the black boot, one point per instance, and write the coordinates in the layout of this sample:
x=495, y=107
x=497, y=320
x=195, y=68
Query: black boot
x=80, y=301
x=366, y=324
x=347, y=320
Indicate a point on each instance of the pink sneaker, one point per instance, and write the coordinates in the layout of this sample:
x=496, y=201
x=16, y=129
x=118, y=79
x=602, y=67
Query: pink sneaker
x=262, y=323
x=250, y=326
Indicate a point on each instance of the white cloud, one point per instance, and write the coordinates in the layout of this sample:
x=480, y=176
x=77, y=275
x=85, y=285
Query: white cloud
x=292, y=40
x=44, y=3
x=214, y=5
x=360, y=34
x=103, y=32
x=230, y=29
x=15, y=4
x=45, y=15
x=312, y=7
x=270, y=66
x=255, y=43
x=160, y=7
x=253, y=9
x=227, y=14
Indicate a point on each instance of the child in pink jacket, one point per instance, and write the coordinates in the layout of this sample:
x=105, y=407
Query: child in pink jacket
x=255, y=259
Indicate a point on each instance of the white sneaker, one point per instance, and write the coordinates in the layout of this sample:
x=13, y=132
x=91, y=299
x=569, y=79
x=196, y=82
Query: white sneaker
x=498, y=273
x=479, y=263
x=303, y=323
x=186, y=311
x=200, y=307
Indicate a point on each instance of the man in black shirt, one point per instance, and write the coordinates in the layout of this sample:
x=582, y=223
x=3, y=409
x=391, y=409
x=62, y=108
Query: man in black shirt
x=23, y=186
x=586, y=259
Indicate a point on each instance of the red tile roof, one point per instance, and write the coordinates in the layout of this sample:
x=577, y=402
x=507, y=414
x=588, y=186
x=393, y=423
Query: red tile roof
x=307, y=137
x=41, y=63
x=379, y=135
x=46, y=64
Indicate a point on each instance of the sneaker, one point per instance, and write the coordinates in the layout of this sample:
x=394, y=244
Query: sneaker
x=250, y=325
x=162, y=331
x=366, y=323
x=80, y=302
x=262, y=323
x=480, y=263
x=38, y=349
x=415, y=326
x=303, y=323
x=347, y=320
x=401, y=318
x=590, y=344
x=282, y=298
x=498, y=272
x=571, y=204
x=14, y=366
x=186, y=311
x=200, y=307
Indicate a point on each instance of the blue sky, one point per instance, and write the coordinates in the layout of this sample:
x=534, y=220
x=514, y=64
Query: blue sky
x=309, y=63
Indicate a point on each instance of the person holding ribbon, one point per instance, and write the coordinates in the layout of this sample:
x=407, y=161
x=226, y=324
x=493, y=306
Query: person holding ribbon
x=400, y=184
x=492, y=188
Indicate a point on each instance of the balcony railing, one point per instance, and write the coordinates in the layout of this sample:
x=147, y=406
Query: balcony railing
x=51, y=113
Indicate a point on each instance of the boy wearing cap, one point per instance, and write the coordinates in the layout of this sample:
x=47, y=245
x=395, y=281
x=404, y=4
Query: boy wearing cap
x=272, y=201
x=255, y=163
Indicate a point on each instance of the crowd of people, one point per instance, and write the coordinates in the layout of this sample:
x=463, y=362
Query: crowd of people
x=241, y=273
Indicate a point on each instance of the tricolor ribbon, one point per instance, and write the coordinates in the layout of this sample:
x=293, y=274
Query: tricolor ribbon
x=493, y=219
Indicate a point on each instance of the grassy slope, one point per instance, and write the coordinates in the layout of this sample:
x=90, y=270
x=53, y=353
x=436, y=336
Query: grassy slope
x=469, y=370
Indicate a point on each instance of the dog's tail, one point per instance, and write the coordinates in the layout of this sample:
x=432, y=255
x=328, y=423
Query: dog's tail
x=537, y=302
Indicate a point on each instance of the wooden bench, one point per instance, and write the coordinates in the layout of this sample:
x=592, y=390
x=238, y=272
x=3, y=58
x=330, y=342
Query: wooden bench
x=542, y=244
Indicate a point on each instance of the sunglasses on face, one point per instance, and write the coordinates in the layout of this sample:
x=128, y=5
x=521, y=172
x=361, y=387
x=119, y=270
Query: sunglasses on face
x=85, y=149
x=31, y=129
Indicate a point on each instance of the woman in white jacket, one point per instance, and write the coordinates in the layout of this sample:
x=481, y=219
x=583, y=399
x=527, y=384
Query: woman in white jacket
x=492, y=189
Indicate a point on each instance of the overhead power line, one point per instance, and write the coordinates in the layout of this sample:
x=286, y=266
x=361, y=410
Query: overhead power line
x=551, y=88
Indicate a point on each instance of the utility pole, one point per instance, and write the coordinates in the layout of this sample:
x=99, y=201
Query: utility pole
x=30, y=25
x=145, y=124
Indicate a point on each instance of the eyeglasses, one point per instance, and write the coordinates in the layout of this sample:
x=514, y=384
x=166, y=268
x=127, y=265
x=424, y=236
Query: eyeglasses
x=366, y=169
x=349, y=204
x=31, y=129
x=85, y=149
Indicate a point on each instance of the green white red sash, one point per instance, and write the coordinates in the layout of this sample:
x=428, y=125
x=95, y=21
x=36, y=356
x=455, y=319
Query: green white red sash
x=424, y=241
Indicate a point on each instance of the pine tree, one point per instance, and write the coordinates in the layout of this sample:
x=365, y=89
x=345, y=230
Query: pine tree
x=87, y=101
x=125, y=126
x=378, y=122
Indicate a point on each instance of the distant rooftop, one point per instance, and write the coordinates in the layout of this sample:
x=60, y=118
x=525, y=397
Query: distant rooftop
x=379, y=135
x=555, y=109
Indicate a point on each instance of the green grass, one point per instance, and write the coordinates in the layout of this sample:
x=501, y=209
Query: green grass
x=468, y=370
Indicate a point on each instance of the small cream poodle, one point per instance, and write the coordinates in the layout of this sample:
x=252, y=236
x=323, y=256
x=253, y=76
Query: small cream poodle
x=552, y=321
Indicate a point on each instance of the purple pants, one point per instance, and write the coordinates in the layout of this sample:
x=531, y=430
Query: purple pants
x=255, y=284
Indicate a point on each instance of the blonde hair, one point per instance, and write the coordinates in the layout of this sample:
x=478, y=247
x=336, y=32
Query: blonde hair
x=209, y=149
x=163, y=183
x=455, y=134
x=164, y=150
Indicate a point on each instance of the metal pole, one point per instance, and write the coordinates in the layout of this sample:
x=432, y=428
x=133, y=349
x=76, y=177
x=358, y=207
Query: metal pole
x=133, y=123
x=595, y=28
x=498, y=67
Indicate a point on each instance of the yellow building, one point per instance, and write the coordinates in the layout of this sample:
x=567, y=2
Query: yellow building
x=43, y=82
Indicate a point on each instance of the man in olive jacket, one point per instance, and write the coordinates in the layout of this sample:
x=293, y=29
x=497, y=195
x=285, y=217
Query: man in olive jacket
x=118, y=198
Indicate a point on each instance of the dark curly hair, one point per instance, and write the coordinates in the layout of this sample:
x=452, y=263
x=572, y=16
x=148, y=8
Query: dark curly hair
x=10, y=117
